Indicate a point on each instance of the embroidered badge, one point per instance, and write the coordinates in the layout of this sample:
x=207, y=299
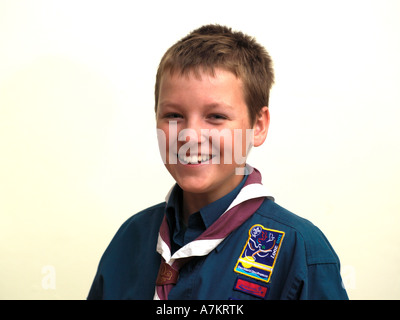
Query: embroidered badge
x=259, y=254
x=251, y=287
x=166, y=275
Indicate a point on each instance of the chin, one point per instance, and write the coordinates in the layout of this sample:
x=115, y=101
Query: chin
x=193, y=185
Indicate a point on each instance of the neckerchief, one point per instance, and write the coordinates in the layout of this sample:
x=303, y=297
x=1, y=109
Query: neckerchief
x=249, y=199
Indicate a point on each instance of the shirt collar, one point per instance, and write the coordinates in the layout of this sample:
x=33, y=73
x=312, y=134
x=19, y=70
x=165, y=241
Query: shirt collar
x=173, y=208
x=214, y=210
x=209, y=213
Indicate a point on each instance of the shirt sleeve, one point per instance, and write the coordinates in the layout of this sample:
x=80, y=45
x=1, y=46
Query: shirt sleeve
x=322, y=282
x=96, y=290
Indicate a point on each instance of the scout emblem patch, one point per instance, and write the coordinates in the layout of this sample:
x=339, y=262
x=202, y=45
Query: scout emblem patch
x=259, y=254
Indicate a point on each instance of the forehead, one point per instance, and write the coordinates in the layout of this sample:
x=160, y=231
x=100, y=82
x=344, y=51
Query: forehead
x=201, y=86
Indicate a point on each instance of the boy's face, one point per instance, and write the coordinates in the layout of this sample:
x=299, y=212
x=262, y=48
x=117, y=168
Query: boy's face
x=204, y=121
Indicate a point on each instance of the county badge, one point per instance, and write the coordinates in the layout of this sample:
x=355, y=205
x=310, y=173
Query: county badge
x=259, y=254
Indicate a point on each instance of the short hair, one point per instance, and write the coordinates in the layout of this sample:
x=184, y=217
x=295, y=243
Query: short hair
x=215, y=46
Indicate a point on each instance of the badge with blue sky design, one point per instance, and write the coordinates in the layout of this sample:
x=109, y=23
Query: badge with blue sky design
x=259, y=254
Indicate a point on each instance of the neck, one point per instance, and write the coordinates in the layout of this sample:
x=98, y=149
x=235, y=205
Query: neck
x=193, y=202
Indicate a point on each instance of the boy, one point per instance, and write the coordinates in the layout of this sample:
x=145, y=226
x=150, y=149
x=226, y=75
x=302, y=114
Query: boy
x=219, y=235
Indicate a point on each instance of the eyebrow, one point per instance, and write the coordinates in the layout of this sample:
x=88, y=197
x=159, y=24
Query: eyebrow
x=168, y=104
x=218, y=104
x=211, y=105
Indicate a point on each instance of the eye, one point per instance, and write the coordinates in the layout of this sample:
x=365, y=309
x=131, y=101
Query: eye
x=173, y=115
x=217, y=116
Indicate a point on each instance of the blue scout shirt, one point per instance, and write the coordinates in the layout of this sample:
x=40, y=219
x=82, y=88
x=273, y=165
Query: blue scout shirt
x=304, y=266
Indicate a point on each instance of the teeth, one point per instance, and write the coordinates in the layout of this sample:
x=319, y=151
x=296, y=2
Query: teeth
x=195, y=159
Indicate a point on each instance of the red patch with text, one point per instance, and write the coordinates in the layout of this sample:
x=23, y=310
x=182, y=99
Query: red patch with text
x=251, y=287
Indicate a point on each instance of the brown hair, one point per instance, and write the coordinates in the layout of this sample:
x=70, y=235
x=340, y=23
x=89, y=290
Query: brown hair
x=215, y=46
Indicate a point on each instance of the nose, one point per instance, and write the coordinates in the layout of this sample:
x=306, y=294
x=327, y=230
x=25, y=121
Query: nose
x=193, y=132
x=193, y=139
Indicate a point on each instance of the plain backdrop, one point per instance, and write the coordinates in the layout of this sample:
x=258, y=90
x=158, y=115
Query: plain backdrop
x=78, y=148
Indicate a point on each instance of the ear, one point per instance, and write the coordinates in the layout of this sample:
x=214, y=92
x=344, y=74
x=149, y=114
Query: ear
x=261, y=126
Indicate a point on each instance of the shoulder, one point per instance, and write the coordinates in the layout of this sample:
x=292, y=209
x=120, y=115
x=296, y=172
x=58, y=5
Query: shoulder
x=139, y=231
x=302, y=231
x=149, y=214
x=142, y=226
x=144, y=221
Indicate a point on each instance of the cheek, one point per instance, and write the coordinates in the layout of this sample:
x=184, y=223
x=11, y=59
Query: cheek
x=242, y=142
x=239, y=143
x=230, y=144
x=168, y=130
x=166, y=145
x=162, y=139
x=221, y=141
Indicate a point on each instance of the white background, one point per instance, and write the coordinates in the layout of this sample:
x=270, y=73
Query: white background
x=78, y=150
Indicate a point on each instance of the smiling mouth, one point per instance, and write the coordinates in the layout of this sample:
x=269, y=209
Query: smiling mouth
x=195, y=159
